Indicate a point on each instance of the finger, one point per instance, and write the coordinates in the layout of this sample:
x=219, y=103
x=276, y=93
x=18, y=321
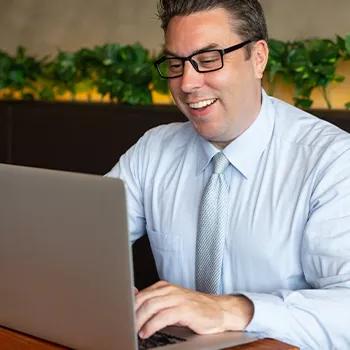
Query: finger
x=152, y=292
x=135, y=290
x=162, y=319
x=153, y=306
x=157, y=285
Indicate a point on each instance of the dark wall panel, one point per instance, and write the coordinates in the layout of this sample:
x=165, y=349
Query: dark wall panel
x=81, y=137
x=341, y=118
x=4, y=132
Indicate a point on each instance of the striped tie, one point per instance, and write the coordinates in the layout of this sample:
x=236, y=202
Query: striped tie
x=212, y=227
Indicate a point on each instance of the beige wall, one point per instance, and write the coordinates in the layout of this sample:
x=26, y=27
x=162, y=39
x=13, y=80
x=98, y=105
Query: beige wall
x=290, y=19
x=45, y=25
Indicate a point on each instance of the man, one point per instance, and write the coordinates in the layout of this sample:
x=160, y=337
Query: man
x=265, y=240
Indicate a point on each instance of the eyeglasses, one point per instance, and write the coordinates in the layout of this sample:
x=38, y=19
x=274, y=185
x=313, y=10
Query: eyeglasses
x=203, y=62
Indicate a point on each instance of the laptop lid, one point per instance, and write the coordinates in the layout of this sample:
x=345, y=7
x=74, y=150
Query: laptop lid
x=65, y=258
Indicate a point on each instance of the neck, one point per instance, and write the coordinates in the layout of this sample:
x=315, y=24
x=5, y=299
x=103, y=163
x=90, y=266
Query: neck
x=221, y=145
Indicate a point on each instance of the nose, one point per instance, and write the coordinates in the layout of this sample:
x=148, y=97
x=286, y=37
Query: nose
x=191, y=79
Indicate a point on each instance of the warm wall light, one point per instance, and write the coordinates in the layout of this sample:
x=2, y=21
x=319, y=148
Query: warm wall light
x=339, y=93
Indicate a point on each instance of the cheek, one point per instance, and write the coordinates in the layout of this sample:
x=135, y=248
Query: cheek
x=222, y=81
x=175, y=87
x=218, y=80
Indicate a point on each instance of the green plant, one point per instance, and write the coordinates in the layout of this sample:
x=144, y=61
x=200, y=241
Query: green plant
x=307, y=65
x=64, y=73
x=86, y=63
x=159, y=84
x=312, y=64
x=5, y=68
x=19, y=73
x=126, y=74
x=123, y=72
x=344, y=48
x=276, y=65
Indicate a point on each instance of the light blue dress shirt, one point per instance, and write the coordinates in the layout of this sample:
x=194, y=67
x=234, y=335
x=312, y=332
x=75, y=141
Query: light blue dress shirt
x=288, y=245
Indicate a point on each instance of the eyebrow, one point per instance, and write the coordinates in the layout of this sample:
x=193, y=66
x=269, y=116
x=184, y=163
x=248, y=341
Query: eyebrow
x=205, y=48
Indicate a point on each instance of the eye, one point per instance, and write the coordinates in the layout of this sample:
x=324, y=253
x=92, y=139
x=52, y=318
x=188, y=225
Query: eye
x=208, y=61
x=174, y=64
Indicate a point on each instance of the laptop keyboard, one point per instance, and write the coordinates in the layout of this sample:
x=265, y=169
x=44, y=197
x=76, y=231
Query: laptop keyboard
x=158, y=339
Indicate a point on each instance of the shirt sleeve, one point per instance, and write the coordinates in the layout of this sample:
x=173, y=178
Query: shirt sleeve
x=129, y=169
x=317, y=318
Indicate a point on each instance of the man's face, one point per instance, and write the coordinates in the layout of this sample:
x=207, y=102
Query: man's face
x=233, y=94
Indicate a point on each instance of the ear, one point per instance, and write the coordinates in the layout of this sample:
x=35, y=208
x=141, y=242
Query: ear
x=260, y=55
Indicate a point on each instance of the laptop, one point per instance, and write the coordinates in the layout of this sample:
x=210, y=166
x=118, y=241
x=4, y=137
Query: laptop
x=66, y=271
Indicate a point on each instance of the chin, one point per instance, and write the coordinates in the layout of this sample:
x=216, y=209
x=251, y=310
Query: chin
x=208, y=132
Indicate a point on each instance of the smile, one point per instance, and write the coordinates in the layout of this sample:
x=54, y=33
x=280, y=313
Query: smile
x=202, y=104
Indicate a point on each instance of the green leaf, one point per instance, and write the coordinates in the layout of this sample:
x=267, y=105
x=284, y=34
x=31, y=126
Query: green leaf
x=347, y=43
x=344, y=46
x=159, y=84
x=107, y=62
x=297, y=59
x=303, y=103
x=339, y=78
x=61, y=90
x=47, y=93
x=300, y=69
x=137, y=95
x=276, y=68
x=277, y=48
x=341, y=43
x=16, y=77
x=347, y=105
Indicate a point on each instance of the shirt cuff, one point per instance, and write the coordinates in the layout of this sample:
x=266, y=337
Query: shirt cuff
x=271, y=317
x=268, y=313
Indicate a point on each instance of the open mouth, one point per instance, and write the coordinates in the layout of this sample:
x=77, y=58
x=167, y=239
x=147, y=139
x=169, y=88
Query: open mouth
x=201, y=105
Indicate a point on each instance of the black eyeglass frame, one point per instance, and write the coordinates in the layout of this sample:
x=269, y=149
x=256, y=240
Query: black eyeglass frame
x=194, y=63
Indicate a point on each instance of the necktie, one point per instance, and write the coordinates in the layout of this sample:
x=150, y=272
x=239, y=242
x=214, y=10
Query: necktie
x=212, y=227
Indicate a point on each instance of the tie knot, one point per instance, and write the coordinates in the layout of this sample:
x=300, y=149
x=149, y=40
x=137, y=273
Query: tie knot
x=220, y=163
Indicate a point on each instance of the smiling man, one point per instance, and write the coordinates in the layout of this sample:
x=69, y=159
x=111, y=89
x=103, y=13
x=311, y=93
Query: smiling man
x=247, y=205
x=222, y=103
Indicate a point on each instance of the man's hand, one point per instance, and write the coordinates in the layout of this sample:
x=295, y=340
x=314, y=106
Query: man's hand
x=164, y=304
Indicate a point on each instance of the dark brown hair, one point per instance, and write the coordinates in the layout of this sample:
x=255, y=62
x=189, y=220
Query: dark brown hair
x=248, y=15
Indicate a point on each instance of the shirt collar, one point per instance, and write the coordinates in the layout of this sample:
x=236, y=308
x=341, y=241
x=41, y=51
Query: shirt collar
x=245, y=151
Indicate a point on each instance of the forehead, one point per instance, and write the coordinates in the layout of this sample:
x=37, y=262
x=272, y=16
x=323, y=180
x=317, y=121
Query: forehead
x=186, y=34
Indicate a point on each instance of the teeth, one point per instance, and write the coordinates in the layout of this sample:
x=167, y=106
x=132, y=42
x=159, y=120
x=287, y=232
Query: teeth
x=202, y=104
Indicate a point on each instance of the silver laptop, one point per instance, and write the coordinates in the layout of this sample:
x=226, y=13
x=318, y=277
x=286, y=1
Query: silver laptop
x=66, y=267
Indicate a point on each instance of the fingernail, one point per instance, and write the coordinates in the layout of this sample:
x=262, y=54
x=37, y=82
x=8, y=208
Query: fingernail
x=141, y=334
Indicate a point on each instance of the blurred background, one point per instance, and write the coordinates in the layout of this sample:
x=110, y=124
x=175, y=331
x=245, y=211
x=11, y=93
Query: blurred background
x=43, y=25
x=71, y=26
x=46, y=28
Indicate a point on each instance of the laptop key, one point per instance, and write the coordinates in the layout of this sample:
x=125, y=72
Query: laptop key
x=158, y=339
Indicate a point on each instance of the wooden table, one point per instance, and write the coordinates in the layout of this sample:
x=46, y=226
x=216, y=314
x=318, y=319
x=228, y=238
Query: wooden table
x=10, y=340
